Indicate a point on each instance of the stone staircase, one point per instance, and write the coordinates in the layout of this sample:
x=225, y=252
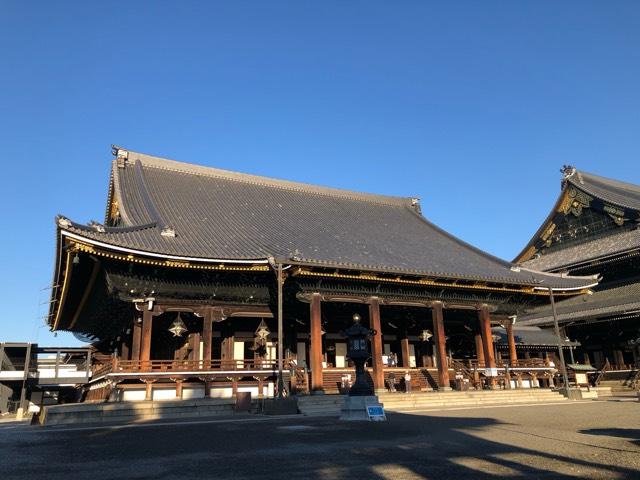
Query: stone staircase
x=125, y=412
x=473, y=398
x=330, y=405
x=619, y=383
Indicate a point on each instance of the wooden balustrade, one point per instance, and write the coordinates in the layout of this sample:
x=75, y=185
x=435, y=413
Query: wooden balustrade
x=520, y=363
x=192, y=365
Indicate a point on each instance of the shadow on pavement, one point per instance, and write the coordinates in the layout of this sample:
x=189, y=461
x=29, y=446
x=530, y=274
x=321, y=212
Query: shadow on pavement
x=631, y=434
x=407, y=446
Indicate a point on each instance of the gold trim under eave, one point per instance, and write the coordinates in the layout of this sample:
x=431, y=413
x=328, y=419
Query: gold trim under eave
x=63, y=293
x=83, y=247
x=434, y=283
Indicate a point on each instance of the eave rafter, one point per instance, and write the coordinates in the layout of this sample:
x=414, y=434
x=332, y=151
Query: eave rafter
x=435, y=282
x=78, y=246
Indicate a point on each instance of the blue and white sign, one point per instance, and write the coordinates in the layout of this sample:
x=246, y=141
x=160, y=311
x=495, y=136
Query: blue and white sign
x=376, y=413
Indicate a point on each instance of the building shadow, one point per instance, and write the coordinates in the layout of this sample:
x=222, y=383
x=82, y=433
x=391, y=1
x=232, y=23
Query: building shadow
x=407, y=446
x=631, y=434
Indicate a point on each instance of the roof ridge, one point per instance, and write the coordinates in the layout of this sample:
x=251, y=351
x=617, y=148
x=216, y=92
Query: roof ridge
x=194, y=169
x=599, y=178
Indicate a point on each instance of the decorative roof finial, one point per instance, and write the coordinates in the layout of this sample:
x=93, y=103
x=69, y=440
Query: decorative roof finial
x=567, y=170
x=415, y=203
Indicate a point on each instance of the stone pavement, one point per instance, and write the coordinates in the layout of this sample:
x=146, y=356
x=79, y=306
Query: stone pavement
x=598, y=440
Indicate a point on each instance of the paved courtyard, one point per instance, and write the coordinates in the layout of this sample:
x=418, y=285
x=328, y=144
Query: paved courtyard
x=590, y=439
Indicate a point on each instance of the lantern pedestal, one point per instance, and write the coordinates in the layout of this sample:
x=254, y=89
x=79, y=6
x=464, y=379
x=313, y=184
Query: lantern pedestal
x=355, y=408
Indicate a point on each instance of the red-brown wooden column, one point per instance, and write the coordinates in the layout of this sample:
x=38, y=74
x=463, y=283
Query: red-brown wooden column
x=513, y=355
x=487, y=341
x=440, y=346
x=376, y=345
x=404, y=351
x=315, y=347
x=479, y=349
x=194, y=344
x=207, y=334
x=136, y=337
x=124, y=349
x=145, y=344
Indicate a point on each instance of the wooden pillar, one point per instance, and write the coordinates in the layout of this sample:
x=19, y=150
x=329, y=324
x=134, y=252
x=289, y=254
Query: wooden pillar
x=207, y=338
x=194, y=344
x=136, y=337
x=148, y=391
x=619, y=358
x=376, y=345
x=479, y=350
x=487, y=341
x=440, y=346
x=207, y=388
x=587, y=360
x=124, y=349
x=315, y=347
x=178, y=388
x=145, y=344
x=260, y=387
x=234, y=386
x=513, y=355
x=404, y=351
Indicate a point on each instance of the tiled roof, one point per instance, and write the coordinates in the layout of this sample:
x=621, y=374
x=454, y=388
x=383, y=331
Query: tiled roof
x=619, y=193
x=603, y=247
x=609, y=191
x=524, y=335
x=621, y=300
x=216, y=214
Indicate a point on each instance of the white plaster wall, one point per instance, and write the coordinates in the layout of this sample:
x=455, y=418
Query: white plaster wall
x=189, y=393
x=133, y=395
x=164, y=394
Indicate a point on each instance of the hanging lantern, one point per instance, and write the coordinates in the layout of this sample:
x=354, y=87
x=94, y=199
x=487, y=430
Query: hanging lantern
x=262, y=331
x=260, y=339
x=425, y=335
x=178, y=327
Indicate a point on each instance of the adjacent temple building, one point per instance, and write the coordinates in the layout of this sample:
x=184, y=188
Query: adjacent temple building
x=594, y=228
x=197, y=275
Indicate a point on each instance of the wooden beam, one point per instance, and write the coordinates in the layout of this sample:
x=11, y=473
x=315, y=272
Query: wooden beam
x=315, y=350
x=440, y=345
x=376, y=345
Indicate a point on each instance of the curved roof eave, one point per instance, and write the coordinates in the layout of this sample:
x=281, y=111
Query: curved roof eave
x=589, y=281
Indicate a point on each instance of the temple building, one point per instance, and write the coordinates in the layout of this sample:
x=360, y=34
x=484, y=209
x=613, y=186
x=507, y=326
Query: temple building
x=594, y=228
x=205, y=282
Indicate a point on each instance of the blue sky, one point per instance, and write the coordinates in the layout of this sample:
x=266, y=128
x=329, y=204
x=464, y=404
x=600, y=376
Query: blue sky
x=472, y=106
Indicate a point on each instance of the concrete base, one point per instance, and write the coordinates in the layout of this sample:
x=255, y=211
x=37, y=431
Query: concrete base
x=280, y=406
x=355, y=408
x=578, y=394
x=445, y=389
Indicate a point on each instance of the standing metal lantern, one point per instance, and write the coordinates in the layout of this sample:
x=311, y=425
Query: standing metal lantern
x=358, y=352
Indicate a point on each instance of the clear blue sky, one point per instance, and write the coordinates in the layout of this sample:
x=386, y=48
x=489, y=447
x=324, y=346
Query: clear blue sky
x=473, y=107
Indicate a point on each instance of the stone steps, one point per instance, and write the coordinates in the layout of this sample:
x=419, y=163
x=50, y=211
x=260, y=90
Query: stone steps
x=124, y=412
x=396, y=402
x=330, y=405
